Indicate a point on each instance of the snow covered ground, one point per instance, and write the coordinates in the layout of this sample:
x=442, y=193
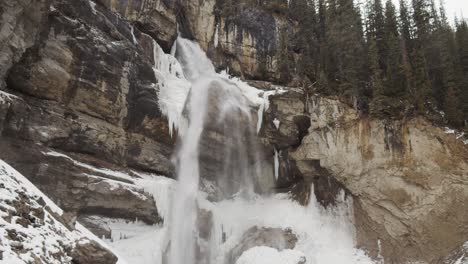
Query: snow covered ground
x=30, y=225
x=268, y=255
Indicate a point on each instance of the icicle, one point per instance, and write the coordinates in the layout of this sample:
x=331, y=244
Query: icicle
x=277, y=163
x=173, y=87
x=132, y=30
x=216, y=37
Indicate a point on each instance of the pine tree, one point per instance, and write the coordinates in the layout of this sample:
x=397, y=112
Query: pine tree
x=406, y=45
x=453, y=113
x=422, y=85
x=306, y=38
x=351, y=55
x=376, y=71
x=405, y=25
x=394, y=74
x=462, y=65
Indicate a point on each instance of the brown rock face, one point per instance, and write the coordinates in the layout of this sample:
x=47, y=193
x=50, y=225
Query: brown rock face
x=154, y=17
x=90, y=252
x=82, y=86
x=20, y=20
x=408, y=179
x=245, y=41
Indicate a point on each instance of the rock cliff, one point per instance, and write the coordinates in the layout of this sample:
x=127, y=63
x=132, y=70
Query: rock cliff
x=408, y=177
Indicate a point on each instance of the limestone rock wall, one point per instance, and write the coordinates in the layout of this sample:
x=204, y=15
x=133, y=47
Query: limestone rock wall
x=408, y=177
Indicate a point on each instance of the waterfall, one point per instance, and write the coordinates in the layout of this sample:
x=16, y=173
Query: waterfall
x=215, y=104
x=222, y=181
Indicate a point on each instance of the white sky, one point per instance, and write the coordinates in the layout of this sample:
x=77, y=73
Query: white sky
x=456, y=7
x=453, y=7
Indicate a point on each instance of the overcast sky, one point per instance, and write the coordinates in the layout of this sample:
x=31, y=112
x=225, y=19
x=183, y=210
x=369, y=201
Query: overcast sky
x=454, y=7
x=457, y=7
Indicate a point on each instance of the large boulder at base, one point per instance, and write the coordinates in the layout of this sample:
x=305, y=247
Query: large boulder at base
x=268, y=255
x=275, y=238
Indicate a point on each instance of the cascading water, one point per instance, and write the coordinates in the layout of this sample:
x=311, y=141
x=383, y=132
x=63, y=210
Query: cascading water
x=217, y=103
x=219, y=139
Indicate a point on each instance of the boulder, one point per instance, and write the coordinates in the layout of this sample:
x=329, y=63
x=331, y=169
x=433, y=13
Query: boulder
x=275, y=238
x=91, y=252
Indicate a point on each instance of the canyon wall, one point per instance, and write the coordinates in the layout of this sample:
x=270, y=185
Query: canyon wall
x=78, y=100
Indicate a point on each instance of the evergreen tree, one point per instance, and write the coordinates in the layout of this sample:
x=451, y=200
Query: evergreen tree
x=394, y=74
x=422, y=85
x=307, y=37
x=405, y=25
x=350, y=53
x=462, y=65
x=376, y=71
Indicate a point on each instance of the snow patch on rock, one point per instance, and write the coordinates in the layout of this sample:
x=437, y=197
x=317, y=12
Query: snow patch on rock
x=41, y=235
x=268, y=255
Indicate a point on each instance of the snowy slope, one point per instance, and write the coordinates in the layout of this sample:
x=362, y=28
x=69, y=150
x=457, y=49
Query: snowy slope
x=32, y=227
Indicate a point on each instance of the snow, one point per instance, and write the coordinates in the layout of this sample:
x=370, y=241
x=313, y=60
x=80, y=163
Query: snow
x=268, y=255
x=324, y=235
x=110, y=173
x=161, y=188
x=93, y=6
x=463, y=259
x=265, y=105
x=137, y=242
x=5, y=97
x=458, y=135
x=449, y=131
x=132, y=30
x=144, y=246
x=276, y=122
x=42, y=240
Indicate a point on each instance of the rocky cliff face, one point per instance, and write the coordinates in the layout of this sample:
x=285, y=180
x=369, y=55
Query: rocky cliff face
x=79, y=81
x=34, y=230
x=244, y=41
x=79, y=101
x=408, y=177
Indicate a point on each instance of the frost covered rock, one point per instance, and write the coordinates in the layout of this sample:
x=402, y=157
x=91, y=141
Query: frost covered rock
x=88, y=251
x=268, y=255
x=275, y=238
x=458, y=256
x=32, y=228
